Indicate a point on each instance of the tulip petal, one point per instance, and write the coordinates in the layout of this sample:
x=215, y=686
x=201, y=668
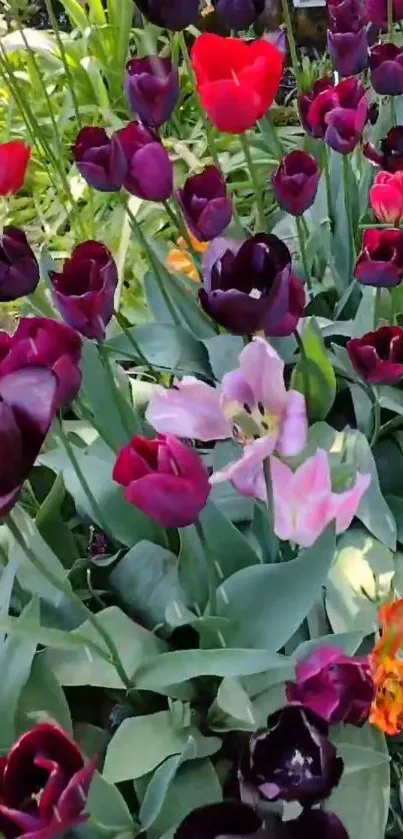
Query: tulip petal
x=294, y=427
x=246, y=474
x=191, y=409
x=344, y=505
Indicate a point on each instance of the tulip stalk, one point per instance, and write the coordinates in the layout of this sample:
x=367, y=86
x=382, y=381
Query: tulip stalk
x=347, y=204
x=255, y=181
x=179, y=224
x=301, y=240
x=376, y=418
x=211, y=572
x=291, y=42
x=69, y=449
x=328, y=183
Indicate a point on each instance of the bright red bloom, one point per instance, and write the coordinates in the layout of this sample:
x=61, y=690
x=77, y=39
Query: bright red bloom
x=237, y=81
x=14, y=157
x=386, y=197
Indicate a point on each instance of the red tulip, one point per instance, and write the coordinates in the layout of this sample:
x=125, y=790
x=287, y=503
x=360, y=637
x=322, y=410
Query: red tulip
x=14, y=157
x=386, y=197
x=237, y=81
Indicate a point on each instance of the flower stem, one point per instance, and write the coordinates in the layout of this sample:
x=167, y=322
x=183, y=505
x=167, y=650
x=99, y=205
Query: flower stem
x=126, y=331
x=177, y=221
x=326, y=169
x=119, y=400
x=211, y=572
x=66, y=589
x=390, y=21
x=301, y=240
x=347, y=204
x=291, y=42
x=377, y=420
x=255, y=180
x=69, y=449
x=393, y=111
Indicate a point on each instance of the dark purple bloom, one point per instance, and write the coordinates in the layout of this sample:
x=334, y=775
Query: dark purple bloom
x=386, y=65
x=239, y=14
x=152, y=88
x=337, y=687
x=84, y=290
x=306, y=99
x=149, y=169
x=100, y=159
x=336, y=113
x=248, y=286
x=291, y=760
x=295, y=182
x=27, y=407
x=46, y=343
x=205, y=204
x=170, y=14
x=230, y=819
x=44, y=784
x=348, y=51
x=19, y=270
x=380, y=262
x=345, y=15
x=378, y=356
x=376, y=12
x=390, y=156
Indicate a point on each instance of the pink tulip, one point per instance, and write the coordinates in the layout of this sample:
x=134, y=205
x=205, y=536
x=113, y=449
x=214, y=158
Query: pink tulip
x=304, y=503
x=386, y=197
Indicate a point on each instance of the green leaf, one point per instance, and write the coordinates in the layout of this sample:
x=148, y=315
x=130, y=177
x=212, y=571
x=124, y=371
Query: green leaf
x=258, y=598
x=165, y=347
x=230, y=548
x=314, y=375
x=346, y=641
x=42, y=699
x=232, y=708
x=181, y=308
x=52, y=526
x=224, y=352
x=16, y=657
x=31, y=579
x=107, y=807
x=48, y=636
x=101, y=398
x=157, y=790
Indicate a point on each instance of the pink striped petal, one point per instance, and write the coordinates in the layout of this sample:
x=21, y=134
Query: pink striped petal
x=190, y=409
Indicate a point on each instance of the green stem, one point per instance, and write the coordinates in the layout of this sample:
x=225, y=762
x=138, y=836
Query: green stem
x=326, y=169
x=377, y=420
x=301, y=240
x=70, y=82
x=393, y=118
x=211, y=571
x=305, y=375
x=347, y=204
x=390, y=20
x=269, y=491
x=119, y=400
x=178, y=222
x=66, y=589
x=291, y=42
x=257, y=186
x=126, y=331
x=69, y=449
x=208, y=128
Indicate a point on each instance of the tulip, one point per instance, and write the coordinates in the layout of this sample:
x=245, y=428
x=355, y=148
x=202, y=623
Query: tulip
x=306, y=99
x=335, y=113
x=348, y=51
x=205, y=204
x=249, y=286
x=390, y=157
x=152, y=88
x=304, y=503
x=44, y=785
x=170, y=14
x=238, y=89
x=232, y=819
x=149, y=169
x=387, y=707
x=291, y=760
x=376, y=12
x=100, y=159
x=386, y=197
x=27, y=407
x=46, y=343
x=19, y=270
x=337, y=687
x=239, y=14
x=386, y=65
x=14, y=158
x=378, y=356
x=84, y=290
x=380, y=262
x=295, y=182
x=163, y=478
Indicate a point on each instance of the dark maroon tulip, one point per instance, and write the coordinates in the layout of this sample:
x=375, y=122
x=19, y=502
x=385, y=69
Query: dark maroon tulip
x=380, y=262
x=100, y=159
x=84, y=290
x=345, y=15
x=27, y=407
x=164, y=478
x=291, y=760
x=205, y=204
x=295, y=182
x=239, y=14
x=390, y=156
x=44, y=785
x=152, y=88
x=47, y=343
x=170, y=14
x=376, y=12
x=249, y=286
x=348, y=51
x=230, y=819
x=305, y=100
x=19, y=270
x=378, y=356
x=386, y=65
x=337, y=113
x=337, y=687
x=150, y=171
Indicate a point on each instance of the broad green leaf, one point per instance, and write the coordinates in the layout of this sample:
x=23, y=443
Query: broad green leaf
x=165, y=347
x=258, y=598
x=42, y=699
x=172, y=301
x=107, y=807
x=16, y=657
x=314, y=375
x=346, y=641
x=157, y=790
x=29, y=578
x=232, y=709
x=224, y=352
x=230, y=549
x=52, y=526
x=48, y=636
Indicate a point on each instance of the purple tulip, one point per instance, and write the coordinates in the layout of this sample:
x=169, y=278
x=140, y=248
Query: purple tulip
x=378, y=356
x=335, y=113
x=239, y=14
x=380, y=262
x=46, y=343
x=205, y=204
x=27, y=407
x=170, y=14
x=295, y=182
x=338, y=688
x=291, y=760
x=100, y=159
x=84, y=290
x=390, y=156
x=249, y=286
x=348, y=51
x=232, y=819
x=345, y=15
x=376, y=12
x=149, y=169
x=19, y=270
x=307, y=98
x=44, y=785
x=386, y=65
x=152, y=88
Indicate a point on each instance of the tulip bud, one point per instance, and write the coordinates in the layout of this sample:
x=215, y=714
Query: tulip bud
x=149, y=169
x=295, y=182
x=170, y=14
x=378, y=356
x=19, y=270
x=380, y=262
x=239, y=14
x=152, y=88
x=14, y=158
x=386, y=197
x=348, y=51
x=386, y=65
x=84, y=290
x=390, y=156
x=100, y=159
x=205, y=204
x=336, y=113
x=376, y=12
